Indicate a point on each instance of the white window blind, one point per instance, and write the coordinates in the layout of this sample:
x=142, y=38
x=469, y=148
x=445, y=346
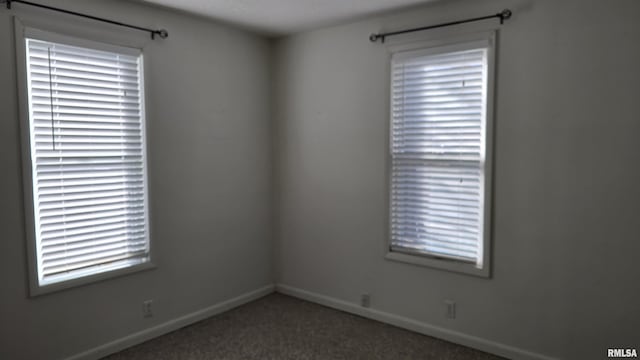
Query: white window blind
x=437, y=150
x=88, y=160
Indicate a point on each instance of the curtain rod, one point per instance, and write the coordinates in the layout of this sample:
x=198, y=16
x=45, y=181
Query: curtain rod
x=503, y=15
x=162, y=32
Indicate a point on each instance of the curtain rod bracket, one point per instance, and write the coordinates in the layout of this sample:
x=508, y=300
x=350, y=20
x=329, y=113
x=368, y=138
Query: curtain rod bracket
x=162, y=33
x=375, y=37
x=503, y=15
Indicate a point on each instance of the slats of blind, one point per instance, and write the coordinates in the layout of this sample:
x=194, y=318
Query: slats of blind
x=87, y=159
x=437, y=148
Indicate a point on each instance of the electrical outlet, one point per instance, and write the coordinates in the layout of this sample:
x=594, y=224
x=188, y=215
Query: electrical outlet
x=365, y=300
x=451, y=309
x=147, y=308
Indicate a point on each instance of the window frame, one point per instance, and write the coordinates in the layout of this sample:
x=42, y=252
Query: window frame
x=74, y=36
x=445, y=44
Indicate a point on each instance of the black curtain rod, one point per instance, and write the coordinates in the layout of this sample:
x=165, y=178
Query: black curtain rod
x=162, y=33
x=503, y=15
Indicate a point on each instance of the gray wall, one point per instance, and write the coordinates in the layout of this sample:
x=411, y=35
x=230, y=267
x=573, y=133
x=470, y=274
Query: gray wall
x=565, y=232
x=565, y=223
x=209, y=178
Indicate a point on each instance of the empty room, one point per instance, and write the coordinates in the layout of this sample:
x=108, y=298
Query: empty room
x=319, y=179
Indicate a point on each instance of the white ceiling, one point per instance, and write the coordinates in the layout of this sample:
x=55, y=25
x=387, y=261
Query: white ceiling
x=279, y=17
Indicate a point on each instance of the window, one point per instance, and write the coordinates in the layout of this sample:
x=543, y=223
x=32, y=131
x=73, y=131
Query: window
x=439, y=151
x=87, y=161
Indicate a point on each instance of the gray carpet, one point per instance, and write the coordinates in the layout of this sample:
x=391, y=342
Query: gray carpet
x=282, y=327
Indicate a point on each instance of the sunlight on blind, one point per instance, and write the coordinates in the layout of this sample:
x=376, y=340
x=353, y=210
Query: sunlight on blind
x=87, y=152
x=437, y=149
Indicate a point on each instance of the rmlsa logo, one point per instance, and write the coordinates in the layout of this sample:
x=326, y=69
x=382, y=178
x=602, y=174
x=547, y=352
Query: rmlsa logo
x=622, y=353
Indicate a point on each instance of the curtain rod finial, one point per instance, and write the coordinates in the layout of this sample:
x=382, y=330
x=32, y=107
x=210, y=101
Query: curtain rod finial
x=373, y=37
x=162, y=33
x=505, y=15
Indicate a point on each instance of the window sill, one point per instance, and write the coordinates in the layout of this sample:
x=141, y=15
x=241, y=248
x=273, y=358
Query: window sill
x=440, y=264
x=37, y=290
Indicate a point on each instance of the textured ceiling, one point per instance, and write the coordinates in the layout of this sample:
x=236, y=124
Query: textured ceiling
x=279, y=17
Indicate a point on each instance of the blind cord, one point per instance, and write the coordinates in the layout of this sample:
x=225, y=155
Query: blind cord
x=53, y=137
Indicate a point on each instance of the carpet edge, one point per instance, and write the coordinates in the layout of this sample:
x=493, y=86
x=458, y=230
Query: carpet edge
x=474, y=342
x=171, y=325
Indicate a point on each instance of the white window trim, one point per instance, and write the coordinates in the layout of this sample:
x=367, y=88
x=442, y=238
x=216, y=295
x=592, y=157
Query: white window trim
x=431, y=46
x=71, y=35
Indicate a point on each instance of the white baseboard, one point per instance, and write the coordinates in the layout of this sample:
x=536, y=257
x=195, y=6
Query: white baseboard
x=413, y=325
x=172, y=325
